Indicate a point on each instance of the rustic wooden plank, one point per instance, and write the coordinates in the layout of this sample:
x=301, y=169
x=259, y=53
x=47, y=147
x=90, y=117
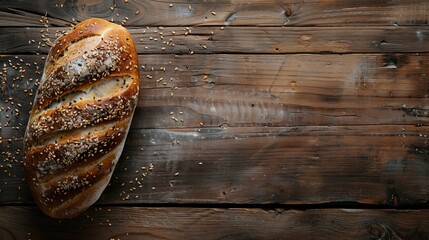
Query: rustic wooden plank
x=180, y=40
x=214, y=223
x=244, y=90
x=276, y=165
x=257, y=90
x=239, y=12
x=372, y=90
x=385, y=165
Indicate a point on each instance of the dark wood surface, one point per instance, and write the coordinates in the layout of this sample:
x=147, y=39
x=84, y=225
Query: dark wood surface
x=235, y=13
x=255, y=40
x=215, y=223
x=257, y=120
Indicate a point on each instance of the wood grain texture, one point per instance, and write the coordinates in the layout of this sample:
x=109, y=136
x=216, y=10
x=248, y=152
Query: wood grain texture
x=238, y=12
x=274, y=165
x=385, y=165
x=203, y=223
x=259, y=90
x=344, y=127
x=258, y=104
x=289, y=90
x=250, y=40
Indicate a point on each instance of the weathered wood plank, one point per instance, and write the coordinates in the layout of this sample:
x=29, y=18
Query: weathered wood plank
x=385, y=165
x=180, y=40
x=278, y=165
x=208, y=223
x=244, y=90
x=183, y=12
x=258, y=90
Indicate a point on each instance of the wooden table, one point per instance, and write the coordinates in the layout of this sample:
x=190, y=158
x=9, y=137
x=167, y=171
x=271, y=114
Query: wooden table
x=257, y=120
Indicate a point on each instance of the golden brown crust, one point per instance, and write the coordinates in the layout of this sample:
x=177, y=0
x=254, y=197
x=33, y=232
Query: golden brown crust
x=81, y=116
x=74, y=150
x=114, y=55
x=66, y=190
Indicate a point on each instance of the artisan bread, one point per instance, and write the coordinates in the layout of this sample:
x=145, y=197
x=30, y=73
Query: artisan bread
x=81, y=116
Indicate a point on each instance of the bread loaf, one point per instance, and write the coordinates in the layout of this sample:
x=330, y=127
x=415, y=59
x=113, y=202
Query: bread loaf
x=81, y=116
